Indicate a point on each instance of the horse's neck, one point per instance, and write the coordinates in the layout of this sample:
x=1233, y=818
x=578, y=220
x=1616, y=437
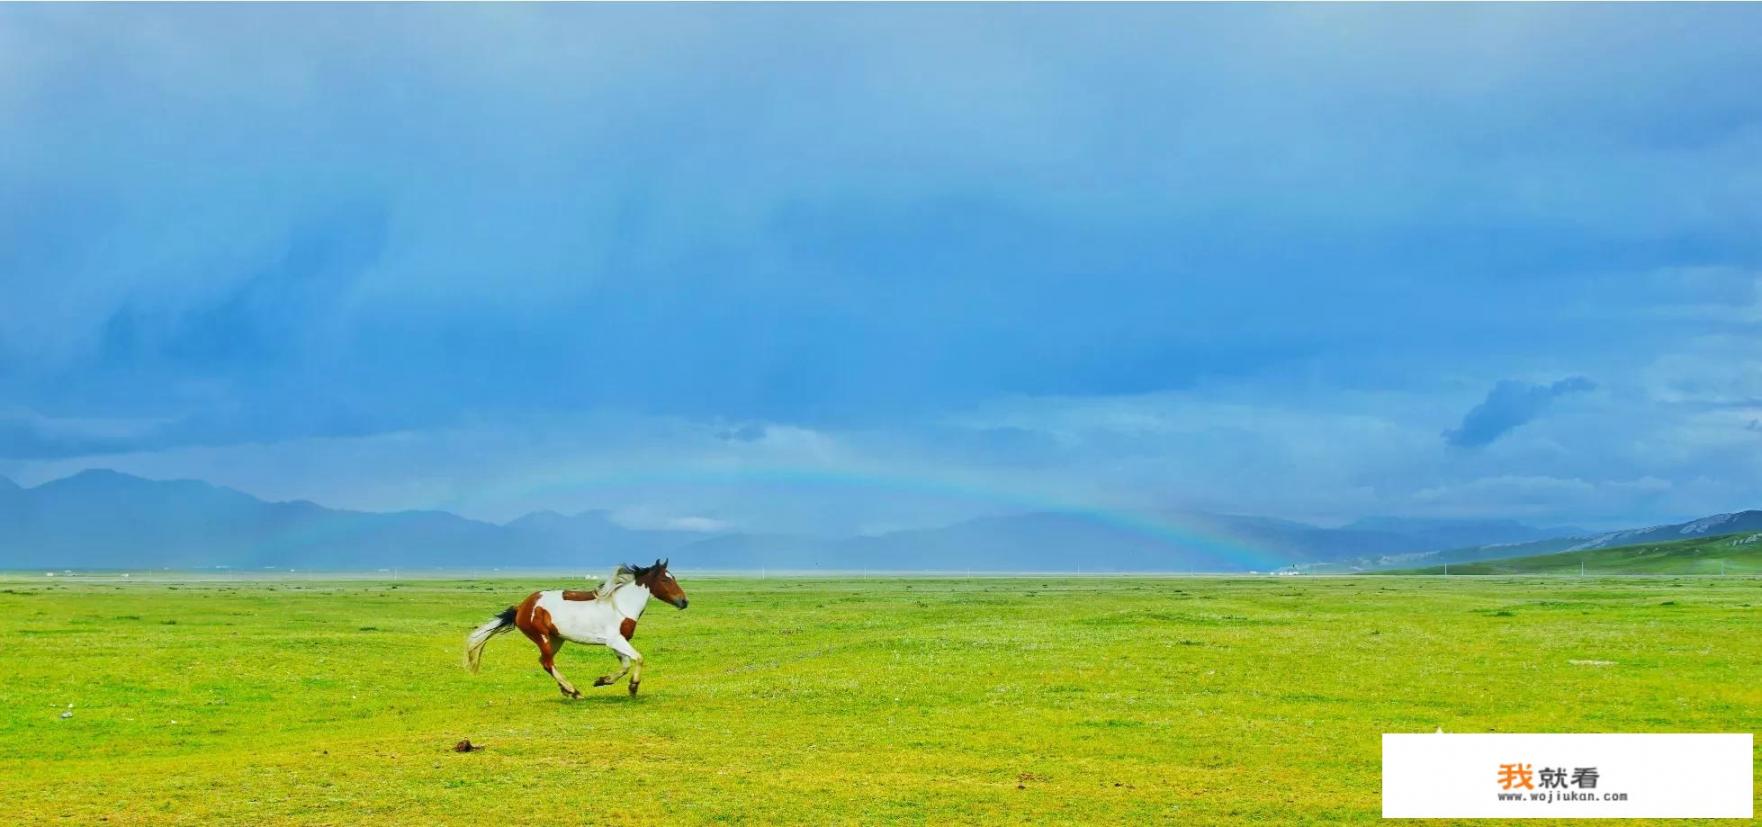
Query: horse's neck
x=630, y=600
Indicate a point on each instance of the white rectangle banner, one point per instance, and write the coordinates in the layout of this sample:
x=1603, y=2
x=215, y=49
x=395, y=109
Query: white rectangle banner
x=1499, y=775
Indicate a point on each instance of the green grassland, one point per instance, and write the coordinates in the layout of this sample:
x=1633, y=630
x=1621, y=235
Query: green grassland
x=1729, y=554
x=1188, y=701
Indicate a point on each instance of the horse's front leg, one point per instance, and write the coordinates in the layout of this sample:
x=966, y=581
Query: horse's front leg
x=633, y=658
x=603, y=680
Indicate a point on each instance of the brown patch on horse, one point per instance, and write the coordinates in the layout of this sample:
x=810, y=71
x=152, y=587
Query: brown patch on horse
x=523, y=613
x=534, y=622
x=570, y=594
x=541, y=620
x=627, y=628
x=532, y=619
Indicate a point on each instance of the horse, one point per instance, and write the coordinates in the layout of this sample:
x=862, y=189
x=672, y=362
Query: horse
x=605, y=616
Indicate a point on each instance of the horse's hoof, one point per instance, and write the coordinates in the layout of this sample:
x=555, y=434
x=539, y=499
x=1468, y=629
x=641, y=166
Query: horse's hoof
x=633, y=687
x=602, y=681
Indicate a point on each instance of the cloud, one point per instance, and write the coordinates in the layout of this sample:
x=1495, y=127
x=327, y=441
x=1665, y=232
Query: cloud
x=419, y=221
x=1511, y=403
x=1543, y=498
x=1614, y=459
x=702, y=525
x=24, y=436
x=363, y=256
x=748, y=432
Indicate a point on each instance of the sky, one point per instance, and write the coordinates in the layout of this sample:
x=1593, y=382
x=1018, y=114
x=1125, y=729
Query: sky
x=846, y=269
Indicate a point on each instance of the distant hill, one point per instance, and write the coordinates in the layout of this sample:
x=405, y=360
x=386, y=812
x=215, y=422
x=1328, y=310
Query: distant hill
x=1040, y=541
x=1705, y=527
x=1739, y=553
x=1718, y=524
x=1375, y=542
x=1447, y=534
x=1062, y=541
x=106, y=519
x=737, y=551
x=1493, y=551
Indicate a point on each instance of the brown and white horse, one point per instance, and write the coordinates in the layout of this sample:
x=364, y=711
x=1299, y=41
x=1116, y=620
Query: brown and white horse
x=605, y=616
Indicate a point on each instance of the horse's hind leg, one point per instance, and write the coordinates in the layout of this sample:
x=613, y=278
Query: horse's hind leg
x=535, y=623
x=548, y=657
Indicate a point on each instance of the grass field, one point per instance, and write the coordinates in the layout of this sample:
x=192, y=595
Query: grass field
x=1727, y=554
x=1045, y=700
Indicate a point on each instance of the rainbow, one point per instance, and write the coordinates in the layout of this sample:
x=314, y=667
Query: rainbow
x=1188, y=534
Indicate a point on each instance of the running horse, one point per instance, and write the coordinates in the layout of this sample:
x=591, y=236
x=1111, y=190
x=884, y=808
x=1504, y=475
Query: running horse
x=605, y=616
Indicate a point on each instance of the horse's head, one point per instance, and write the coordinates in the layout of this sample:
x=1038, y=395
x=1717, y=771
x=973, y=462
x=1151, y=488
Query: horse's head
x=660, y=583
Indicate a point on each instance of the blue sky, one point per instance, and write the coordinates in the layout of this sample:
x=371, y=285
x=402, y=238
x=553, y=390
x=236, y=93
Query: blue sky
x=849, y=268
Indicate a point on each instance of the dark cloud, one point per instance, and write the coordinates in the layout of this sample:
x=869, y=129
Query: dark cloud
x=1508, y=405
x=277, y=222
x=31, y=437
x=22, y=438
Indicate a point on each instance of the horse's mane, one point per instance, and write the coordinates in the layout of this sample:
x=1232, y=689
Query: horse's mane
x=623, y=575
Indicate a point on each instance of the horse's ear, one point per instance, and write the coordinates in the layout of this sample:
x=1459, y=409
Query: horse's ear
x=665, y=561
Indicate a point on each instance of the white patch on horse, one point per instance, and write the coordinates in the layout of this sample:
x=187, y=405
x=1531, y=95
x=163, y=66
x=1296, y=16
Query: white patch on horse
x=597, y=621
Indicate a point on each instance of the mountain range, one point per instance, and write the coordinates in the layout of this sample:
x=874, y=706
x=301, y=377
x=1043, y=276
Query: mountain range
x=1712, y=526
x=1718, y=552
x=104, y=519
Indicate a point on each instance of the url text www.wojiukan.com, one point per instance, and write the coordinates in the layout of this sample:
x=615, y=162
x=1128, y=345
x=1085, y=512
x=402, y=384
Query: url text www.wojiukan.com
x=1554, y=797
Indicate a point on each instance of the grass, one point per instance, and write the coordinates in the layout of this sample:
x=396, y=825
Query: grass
x=1035, y=700
x=1728, y=554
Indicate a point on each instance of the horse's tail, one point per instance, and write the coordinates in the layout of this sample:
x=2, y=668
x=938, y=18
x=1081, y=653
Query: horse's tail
x=479, y=636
